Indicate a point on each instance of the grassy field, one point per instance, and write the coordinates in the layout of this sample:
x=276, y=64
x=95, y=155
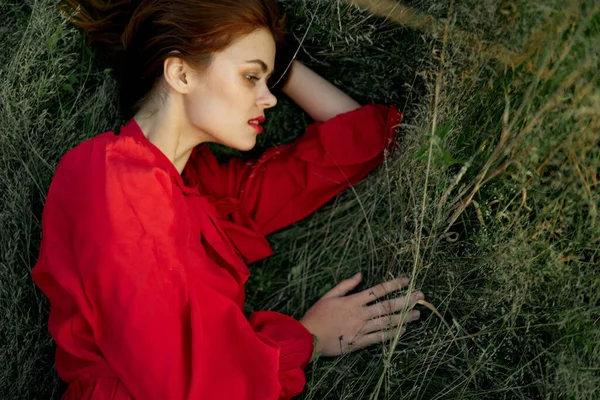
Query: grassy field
x=490, y=203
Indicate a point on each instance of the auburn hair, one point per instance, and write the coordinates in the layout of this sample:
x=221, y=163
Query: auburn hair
x=135, y=37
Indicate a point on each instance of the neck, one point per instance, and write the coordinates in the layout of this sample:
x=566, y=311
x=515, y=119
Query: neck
x=170, y=132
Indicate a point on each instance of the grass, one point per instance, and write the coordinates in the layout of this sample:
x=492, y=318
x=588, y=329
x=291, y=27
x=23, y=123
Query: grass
x=490, y=203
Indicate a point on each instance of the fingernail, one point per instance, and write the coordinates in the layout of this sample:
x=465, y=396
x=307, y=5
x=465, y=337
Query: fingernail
x=357, y=275
x=416, y=314
x=419, y=295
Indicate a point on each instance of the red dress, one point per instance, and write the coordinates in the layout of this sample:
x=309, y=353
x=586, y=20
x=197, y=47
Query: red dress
x=145, y=268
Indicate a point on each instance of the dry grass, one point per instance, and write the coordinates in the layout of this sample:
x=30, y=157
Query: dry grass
x=490, y=203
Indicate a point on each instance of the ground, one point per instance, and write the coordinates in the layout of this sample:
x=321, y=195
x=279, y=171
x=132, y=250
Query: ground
x=490, y=203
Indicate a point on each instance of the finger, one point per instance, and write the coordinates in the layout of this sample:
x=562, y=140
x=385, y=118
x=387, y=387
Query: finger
x=393, y=305
x=378, y=337
x=344, y=287
x=390, y=321
x=377, y=291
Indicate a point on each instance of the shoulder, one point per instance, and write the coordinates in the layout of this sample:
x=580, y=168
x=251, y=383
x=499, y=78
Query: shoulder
x=112, y=180
x=100, y=163
x=108, y=155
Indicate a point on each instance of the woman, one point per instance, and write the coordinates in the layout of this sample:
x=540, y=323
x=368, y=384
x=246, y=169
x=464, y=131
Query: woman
x=146, y=237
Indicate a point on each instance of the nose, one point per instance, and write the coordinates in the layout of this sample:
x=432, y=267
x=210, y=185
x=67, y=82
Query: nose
x=266, y=99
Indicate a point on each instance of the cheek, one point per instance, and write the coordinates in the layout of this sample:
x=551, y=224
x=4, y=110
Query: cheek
x=228, y=98
x=221, y=110
x=207, y=105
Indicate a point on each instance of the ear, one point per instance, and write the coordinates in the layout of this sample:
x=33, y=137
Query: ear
x=177, y=74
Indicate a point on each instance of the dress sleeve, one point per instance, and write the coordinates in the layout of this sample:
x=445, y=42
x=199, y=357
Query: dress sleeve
x=290, y=182
x=161, y=312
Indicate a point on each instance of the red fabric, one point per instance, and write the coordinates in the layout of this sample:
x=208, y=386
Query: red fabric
x=145, y=268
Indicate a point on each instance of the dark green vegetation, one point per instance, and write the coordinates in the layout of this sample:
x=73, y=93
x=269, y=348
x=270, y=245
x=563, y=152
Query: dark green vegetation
x=490, y=203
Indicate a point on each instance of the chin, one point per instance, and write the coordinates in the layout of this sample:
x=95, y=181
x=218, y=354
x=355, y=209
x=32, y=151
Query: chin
x=245, y=146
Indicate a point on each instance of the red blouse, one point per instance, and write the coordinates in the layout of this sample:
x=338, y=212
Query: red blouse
x=145, y=268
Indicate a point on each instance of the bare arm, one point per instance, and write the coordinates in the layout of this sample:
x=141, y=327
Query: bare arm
x=319, y=98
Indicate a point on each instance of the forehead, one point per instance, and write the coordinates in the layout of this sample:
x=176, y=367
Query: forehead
x=256, y=45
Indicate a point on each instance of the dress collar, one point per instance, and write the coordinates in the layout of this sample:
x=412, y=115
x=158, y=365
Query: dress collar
x=133, y=130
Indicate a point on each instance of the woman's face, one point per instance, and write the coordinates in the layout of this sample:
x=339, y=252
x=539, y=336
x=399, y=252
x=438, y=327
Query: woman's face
x=233, y=91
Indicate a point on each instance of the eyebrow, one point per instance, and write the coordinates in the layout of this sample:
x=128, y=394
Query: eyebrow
x=262, y=64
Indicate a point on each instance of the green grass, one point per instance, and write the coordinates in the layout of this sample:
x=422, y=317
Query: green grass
x=490, y=203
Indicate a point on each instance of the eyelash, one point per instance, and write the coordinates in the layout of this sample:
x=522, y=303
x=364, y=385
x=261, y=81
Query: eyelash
x=253, y=79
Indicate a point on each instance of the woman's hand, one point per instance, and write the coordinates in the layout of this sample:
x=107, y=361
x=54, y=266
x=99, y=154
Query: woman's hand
x=346, y=323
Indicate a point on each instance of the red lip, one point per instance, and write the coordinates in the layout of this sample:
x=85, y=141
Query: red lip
x=258, y=128
x=260, y=119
